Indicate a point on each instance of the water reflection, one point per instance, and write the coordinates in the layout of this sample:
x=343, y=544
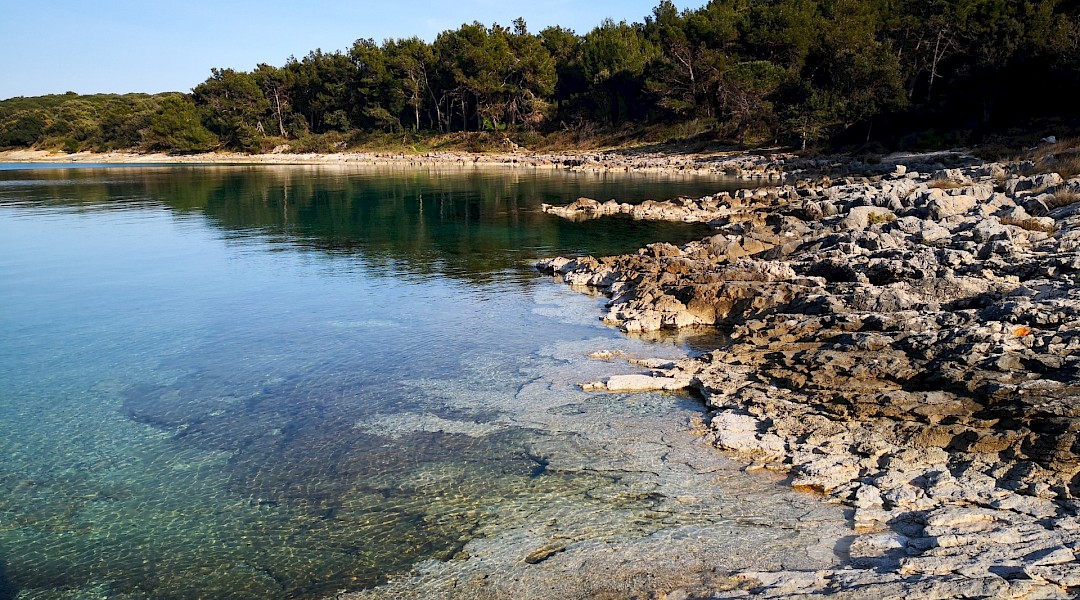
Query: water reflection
x=470, y=224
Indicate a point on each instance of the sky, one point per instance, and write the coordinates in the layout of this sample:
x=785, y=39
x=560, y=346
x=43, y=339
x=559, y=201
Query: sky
x=120, y=46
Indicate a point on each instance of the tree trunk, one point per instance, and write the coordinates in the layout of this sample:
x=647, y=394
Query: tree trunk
x=280, y=121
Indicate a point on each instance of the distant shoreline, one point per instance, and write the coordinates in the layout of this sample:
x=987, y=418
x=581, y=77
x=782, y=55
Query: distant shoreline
x=768, y=166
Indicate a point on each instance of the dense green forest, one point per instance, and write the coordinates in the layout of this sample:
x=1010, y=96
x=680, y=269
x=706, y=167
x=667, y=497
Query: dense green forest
x=913, y=73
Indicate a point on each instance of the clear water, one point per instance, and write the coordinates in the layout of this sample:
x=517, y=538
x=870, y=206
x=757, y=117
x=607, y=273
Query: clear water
x=255, y=382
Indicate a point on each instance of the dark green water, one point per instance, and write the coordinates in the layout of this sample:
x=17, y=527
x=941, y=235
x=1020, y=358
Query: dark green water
x=242, y=382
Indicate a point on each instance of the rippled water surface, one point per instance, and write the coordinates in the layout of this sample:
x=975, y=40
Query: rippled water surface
x=255, y=382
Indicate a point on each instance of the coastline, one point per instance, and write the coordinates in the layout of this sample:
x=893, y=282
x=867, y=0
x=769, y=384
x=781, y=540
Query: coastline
x=820, y=379
x=431, y=442
x=766, y=166
x=902, y=344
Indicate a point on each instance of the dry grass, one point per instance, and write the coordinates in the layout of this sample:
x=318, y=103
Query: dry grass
x=1062, y=146
x=945, y=184
x=1069, y=166
x=1029, y=224
x=1061, y=157
x=1063, y=198
x=880, y=218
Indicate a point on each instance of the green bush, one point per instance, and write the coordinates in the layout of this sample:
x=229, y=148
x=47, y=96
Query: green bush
x=175, y=127
x=24, y=129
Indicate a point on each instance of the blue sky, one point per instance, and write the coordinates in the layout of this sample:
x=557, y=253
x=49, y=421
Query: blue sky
x=53, y=46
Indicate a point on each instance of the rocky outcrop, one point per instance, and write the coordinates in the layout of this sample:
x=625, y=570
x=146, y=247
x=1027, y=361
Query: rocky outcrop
x=906, y=344
x=701, y=210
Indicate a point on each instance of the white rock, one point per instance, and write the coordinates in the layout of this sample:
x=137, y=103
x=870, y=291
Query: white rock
x=644, y=383
x=860, y=217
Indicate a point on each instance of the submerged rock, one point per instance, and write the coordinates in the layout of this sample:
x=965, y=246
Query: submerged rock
x=639, y=383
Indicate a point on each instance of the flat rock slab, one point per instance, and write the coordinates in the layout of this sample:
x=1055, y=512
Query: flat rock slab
x=638, y=383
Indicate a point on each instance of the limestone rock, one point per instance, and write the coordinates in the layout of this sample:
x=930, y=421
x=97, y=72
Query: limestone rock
x=921, y=366
x=639, y=383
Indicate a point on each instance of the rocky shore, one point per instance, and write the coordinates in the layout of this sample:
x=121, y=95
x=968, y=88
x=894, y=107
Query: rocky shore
x=905, y=343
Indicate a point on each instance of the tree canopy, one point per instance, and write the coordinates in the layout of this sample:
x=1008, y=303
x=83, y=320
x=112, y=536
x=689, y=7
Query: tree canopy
x=793, y=71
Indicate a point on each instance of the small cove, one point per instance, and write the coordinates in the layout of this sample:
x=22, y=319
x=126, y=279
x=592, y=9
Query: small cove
x=282, y=382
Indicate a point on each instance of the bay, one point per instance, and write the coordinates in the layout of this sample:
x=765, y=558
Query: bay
x=284, y=382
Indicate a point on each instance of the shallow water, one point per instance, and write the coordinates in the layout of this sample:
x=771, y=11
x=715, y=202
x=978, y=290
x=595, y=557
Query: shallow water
x=272, y=382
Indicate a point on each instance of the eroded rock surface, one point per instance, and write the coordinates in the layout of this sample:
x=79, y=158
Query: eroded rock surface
x=907, y=345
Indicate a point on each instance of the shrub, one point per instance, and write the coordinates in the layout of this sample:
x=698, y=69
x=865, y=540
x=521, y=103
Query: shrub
x=24, y=129
x=175, y=127
x=321, y=143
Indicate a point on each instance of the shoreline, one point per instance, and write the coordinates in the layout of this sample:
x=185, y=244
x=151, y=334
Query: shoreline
x=904, y=345
x=496, y=464
x=838, y=294
x=772, y=166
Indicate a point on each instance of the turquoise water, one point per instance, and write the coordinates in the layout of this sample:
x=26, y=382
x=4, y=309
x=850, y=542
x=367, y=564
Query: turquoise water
x=253, y=382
